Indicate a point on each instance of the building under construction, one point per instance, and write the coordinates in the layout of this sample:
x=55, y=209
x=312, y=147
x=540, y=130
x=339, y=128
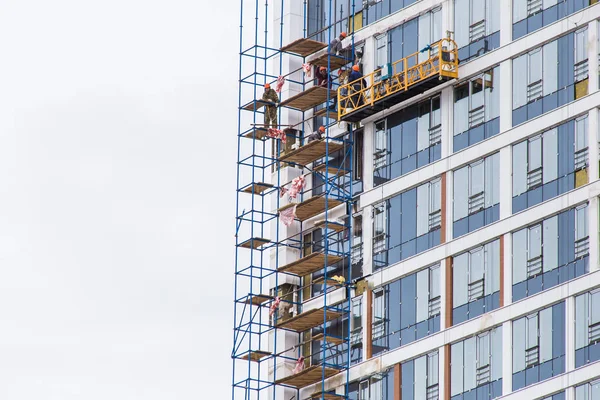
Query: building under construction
x=417, y=200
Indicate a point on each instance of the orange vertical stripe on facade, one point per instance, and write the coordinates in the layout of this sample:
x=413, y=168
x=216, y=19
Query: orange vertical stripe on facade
x=448, y=305
x=502, y=271
x=368, y=326
x=397, y=382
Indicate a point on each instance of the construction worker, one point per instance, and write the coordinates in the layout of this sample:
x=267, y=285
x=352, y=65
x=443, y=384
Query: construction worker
x=323, y=78
x=318, y=135
x=358, y=83
x=335, y=47
x=270, y=110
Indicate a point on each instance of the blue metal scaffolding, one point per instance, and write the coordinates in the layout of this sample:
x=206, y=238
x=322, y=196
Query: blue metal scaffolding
x=260, y=281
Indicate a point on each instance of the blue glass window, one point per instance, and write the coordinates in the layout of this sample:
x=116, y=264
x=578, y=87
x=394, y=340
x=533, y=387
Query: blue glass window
x=588, y=391
x=476, y=368
x=420, y=378
x=529, y=16
x=550, y=252
x=538, y=346
x=477, y=109
x=407, y=140
x=476, y=282
x=406, y=310
x=476, y=197
x=552, y=72
x=587, y=328
x=401, y=229
x=544, y=166
x=476, y=27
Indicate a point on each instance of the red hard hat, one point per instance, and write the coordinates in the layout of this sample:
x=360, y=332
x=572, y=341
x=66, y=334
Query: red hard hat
x=267, y=85
x=321, y=129
x=323, y=69
x=355, y=68
x=343, y=34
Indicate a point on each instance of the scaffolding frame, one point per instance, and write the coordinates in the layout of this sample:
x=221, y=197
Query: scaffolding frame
x=254, y=291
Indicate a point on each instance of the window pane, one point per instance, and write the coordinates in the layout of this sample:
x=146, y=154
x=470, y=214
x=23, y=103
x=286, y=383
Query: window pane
x=532, y=331
x=420, y=377
x=548, y=3
x=550, y=243
x=518, y=345
x=519, y=168
x=550, y=81
x=535, y=154
x=435, y=282
x=519, y=10
x=422, y=295
x=581, y=133
x=432, y=369
x=535, y=66
x=461, y=193
x=461, y=109
x=492, y=267
x=581, y=321
x=477, y=178
x=594, y=307
x=460, y=279
x=476, y=93
x=581, y=229
x=546, y=335
x=435, y=191
x=492, y=179
x=519, y=80
x=496, y=354
x=483, y=350
x=477, y=11
x=492, y=93
x=470, y=362
x=581, y=45
x=424, y=35
x=550, y=155
x=461, y=22
x=436, y=24
x=422, y=209
x=535, y=242
x=456, y=369
x=519, y=256
x=476, y=265
x=423, y=126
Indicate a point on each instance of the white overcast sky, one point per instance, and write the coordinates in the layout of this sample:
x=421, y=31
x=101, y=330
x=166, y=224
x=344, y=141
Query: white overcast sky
x=117, y=196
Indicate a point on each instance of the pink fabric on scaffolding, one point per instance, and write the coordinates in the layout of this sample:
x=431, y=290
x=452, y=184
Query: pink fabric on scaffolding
x=276, y=134
x=299, y=365
x=287, y=216
x=296, y=186
x=307, y=68
x=274, y=306
x=282, y=192
x=279, y=84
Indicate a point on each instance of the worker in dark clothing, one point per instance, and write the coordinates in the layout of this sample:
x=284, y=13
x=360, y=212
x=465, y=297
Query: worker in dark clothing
x=318, y=135
x=323, y=78
x=357, y=83
x=270, y=110
x=335, y=47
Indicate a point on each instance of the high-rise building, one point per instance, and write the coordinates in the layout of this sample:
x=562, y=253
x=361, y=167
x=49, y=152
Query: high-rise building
x=439, y=238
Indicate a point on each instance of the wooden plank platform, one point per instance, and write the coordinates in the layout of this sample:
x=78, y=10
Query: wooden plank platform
x=311, y=152
x=311, y=263
x=329, y=339
x=311, y=207
x=310, y=98
x=325, y=112
x=307, y=377
x=307, y=320
x=255, y=355
x=325, y=396
x=303, y=47
x=257, y=105
x=258, y=188
x=258, y=133
x=330, y=170
x=336, y=61
x=336, y=226
x=258, y=299
x=254, y=243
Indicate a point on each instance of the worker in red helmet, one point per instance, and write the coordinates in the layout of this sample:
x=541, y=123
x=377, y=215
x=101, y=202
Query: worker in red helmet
x=270, y=110
x=335, y=47
x=357, y=83
x=323, y=78
x=318, y=135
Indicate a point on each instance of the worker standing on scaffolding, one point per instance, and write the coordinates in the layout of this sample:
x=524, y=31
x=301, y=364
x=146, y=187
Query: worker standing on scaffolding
x=323, y=78
x=270, y=110
x=357, y=83
x=318, y=135
x=335, y=47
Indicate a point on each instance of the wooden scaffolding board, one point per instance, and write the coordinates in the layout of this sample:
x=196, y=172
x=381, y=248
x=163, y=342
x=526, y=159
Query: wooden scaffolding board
x=254, y=243
x=258, y=188
x=258, y=299
x=336, y=226
x=330, y=170
x=258, y=104
x=311, y=151
x=255, y=355
x=303, y=47
x=258, y=133
x=325, y=396
x=325, y=112
x=336, y=61
x=311, y=207
x=307, y=377
x=307, y=320
x=329, y=339
x=311, y=263
x=308, y=99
